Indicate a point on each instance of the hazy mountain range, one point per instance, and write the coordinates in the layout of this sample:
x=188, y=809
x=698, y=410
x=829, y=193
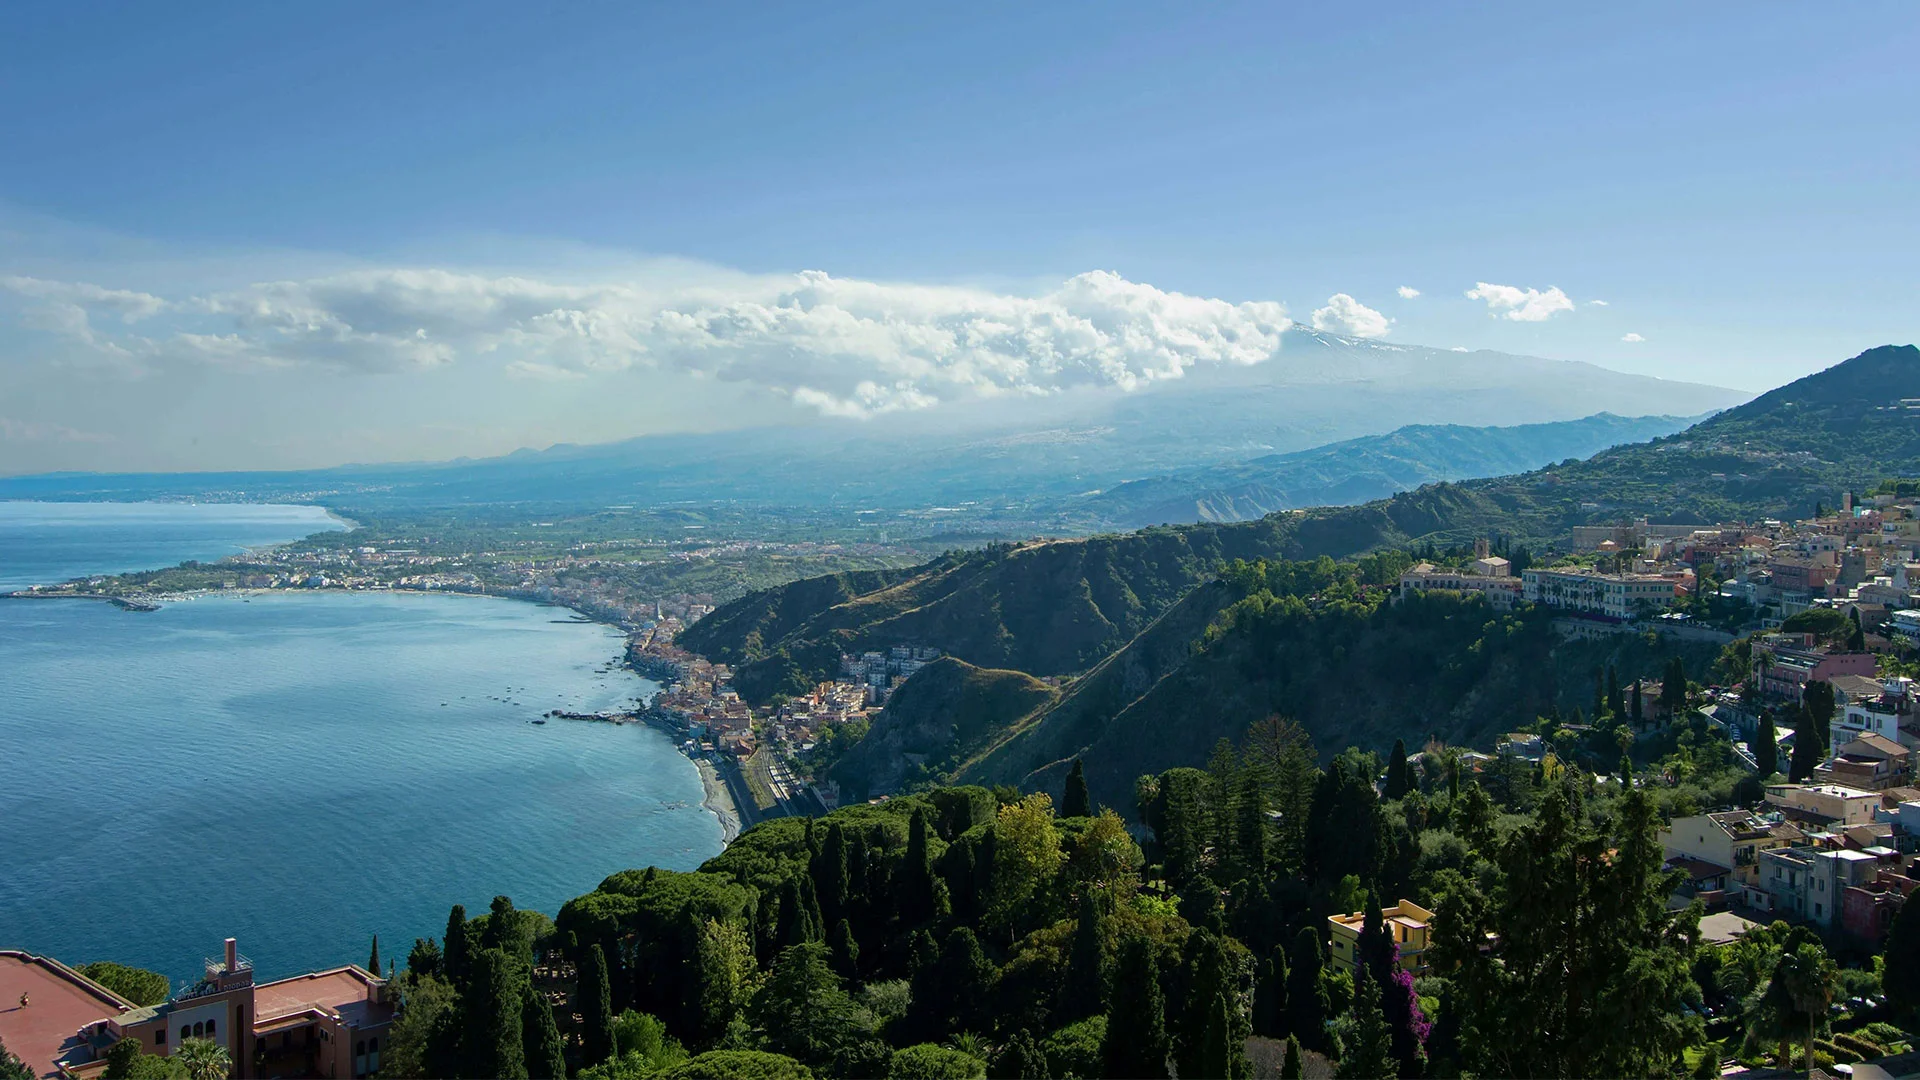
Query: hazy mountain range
x=1040, y=456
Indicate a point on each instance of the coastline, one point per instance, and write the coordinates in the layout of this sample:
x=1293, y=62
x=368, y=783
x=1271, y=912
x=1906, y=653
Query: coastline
x=719, y=801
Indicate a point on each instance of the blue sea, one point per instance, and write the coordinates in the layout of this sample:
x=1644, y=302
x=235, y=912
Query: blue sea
x=303, y=771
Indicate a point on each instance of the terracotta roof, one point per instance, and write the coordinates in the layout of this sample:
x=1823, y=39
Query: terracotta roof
x=61, y=1001
x=333, y=991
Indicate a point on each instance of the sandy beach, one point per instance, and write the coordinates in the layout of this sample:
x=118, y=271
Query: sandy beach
x=719, y=800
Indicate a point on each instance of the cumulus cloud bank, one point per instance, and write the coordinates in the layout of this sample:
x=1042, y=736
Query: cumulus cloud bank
x=1521, y=305
x=1345, y=315
x=841, y=346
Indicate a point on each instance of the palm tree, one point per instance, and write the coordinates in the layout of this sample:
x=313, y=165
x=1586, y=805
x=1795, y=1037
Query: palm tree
x=205, y=1059
x=1811, y=977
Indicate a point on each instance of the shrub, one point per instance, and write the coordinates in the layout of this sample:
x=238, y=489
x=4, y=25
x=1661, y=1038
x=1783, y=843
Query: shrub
x=738, y=1065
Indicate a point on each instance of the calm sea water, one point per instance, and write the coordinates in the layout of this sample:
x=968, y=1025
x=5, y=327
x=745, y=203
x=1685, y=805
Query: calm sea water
x=303, y=771
x=43, y=543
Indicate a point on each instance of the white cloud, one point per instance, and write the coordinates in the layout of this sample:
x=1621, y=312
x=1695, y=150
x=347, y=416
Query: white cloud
x=840, y=346
x=1345, y=315
x=1633, y=338
x=1598, y=303
x=1407, y=292
x=1459, y=348
x=1520, y=305
x=130, y=306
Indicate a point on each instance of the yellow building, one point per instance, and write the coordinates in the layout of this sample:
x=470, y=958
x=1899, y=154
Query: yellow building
x=1407, y=923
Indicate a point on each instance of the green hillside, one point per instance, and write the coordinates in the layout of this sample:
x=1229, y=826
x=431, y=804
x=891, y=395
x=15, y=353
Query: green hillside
x=937, y=719
x=1061, y=608
x=1359, y=470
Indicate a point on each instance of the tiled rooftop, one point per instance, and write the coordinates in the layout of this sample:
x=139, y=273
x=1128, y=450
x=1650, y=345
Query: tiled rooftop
x=60, y=1004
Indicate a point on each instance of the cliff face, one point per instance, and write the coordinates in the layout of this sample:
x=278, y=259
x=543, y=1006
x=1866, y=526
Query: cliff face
x=935, y=719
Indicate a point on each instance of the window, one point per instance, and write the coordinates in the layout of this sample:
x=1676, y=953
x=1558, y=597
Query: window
x=160, y=1037
x=185, y=1032
x=210, y=1024
x=373, y=1046
x=199, y=1030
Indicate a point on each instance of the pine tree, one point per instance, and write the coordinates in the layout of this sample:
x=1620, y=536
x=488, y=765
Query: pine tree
x=1085, y=992
x=1397, y=782
x=454, y=956
x=490, y=1031
x=1078, y=801
x=1251, y=850
x=541, y=1045
x=596, y=1008
x=1136, y=1044
x=373, y=958
x=1369, y=1051
x=1766, y=748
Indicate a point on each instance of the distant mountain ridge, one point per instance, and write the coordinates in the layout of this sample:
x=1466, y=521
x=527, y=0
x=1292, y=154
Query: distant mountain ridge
x=1022, y=456
x=1363, y=469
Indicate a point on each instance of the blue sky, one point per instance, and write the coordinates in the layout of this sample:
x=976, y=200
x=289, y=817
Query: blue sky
x=1735, y=182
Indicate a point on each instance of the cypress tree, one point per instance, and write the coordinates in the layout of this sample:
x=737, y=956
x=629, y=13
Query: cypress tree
x=830, y=874
x=373, y=958
x=1078, y=802
x=1307, y=1005
x=1216, y=1046
x=1020, y=1059
x=1293, y=1068
x=425, y=957
x=915, y=886
x=454, y=957
x=1369, y=1050
x=1766, y=748
x=1639, y=709
x=1901, y=980
x=1397, y=771
x=846, y=951
x=503, y=926
x=1270, y=996
x=540, y=1042
x=1135, y=1044
x=1614, y=704
x=1819, y=701
x=1085, y=992
x=490, y=1038
x=596, y=1008
x=1806, y=749
x=1856, y=637
x=1673, y=689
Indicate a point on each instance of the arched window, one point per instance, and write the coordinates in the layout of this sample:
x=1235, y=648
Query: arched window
x=360, y=1048
x=199, y=1030
x=373, y=1046
x=185, y=1033
x=210, y=1028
